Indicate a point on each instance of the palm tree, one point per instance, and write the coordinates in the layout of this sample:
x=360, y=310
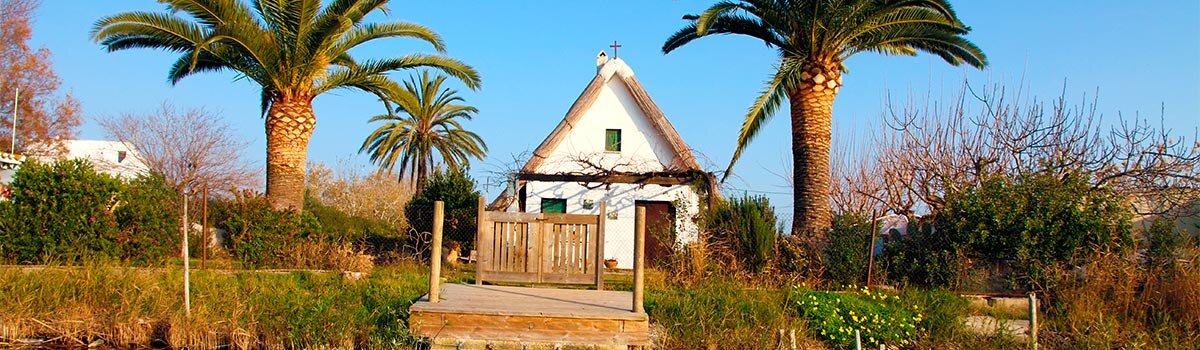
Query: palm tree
x=430, y=124
x=295, y=50
x=814, y=38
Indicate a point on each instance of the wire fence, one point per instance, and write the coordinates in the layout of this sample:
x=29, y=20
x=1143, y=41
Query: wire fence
x=458, y=231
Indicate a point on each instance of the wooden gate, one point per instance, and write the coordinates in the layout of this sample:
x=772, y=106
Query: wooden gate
x=540, y=248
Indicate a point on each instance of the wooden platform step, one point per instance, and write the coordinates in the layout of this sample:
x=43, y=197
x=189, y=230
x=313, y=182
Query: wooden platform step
x=471, y=314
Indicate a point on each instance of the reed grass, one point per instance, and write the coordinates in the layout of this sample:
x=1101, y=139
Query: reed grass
x=115, y=306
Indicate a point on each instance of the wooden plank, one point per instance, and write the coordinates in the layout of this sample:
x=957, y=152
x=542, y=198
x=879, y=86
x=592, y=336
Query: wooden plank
x=639, y=258
x=435, y=257
x=481, y=224
x=509, y=276
x=524, y=252
x=648, y=179
x=568, y=278
x=468, y=326
x=600, y=245
x=570, y=218
x=512, y=217
x=537, y=230
x=486, y=250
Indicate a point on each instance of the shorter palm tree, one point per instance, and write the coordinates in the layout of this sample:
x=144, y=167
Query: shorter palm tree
x=426, y=121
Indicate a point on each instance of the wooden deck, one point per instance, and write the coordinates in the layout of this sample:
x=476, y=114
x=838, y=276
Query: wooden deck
x=475, y=314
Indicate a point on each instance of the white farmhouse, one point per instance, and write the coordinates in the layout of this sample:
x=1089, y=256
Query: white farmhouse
x=616, y=146
x=111, y=157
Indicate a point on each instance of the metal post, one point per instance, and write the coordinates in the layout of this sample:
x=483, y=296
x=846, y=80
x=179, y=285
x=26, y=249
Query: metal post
x=639, y=258
x=857, y=340
x=16, y=107
x=1033, y=323
x=204, y=230
x=187, y=285
x=435, y=257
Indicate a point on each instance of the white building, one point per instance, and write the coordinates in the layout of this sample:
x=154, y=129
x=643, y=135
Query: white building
x=9, y=163
x=111, y=157
x=616, y=146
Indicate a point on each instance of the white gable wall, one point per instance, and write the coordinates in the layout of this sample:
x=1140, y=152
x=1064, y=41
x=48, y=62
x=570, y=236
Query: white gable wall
x=642, y=148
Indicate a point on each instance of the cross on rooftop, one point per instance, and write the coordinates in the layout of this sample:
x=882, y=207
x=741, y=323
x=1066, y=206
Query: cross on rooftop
x=614, y=46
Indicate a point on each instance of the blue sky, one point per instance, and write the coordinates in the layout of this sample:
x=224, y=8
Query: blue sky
x=537, y=56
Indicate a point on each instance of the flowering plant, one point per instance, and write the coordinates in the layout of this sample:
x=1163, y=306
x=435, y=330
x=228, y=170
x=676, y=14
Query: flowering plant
x=880, y=317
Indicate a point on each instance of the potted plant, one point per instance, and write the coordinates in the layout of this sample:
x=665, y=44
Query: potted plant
x=610, y=263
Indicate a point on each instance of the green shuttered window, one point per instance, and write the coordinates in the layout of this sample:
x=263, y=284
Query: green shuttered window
x=612, y=140
x=554, y=205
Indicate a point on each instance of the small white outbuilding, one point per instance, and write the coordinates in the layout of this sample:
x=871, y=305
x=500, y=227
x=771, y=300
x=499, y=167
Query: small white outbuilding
x=616, y=146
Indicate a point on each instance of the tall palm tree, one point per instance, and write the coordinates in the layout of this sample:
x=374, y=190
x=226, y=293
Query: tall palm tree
x=295, y=50
x=426, y=121
x=814, y=38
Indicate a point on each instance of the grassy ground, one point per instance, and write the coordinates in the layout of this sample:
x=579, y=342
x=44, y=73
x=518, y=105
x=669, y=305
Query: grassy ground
x=305, y=309
x=144, y=306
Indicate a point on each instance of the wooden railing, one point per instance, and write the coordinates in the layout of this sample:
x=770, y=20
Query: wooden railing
x=540, y=248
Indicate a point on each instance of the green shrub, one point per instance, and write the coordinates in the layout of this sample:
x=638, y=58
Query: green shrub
x=1164, y=241
x=922, y=258
x=148, y=215
x=846, y=255
x=338, y=226
x=258, y=233
x=60, y=211
x=747, y=224
x=67, y=211
x=1036, y=222
x=881, y=318
x=461, y=200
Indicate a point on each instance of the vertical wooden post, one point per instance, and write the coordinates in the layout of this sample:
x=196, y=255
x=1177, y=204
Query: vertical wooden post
x=204, y=230
x=480, y=222
x=857, y=340
x=1033, y=323
x=871, y=251
x=639, y=259
x=600, y=245
x=435, y=257
x=187, y=283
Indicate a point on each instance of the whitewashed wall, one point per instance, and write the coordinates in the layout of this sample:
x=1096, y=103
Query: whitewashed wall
x=614, y=108
x=642, y=150
x=618, y=242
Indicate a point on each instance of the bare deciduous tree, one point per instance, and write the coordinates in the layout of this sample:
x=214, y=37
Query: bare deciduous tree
x=44, y=113
x=375, y=195
x=189, y=147
x=928, y=148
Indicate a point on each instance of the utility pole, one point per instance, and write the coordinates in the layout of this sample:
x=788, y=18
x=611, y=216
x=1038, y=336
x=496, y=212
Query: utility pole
x=16, y=107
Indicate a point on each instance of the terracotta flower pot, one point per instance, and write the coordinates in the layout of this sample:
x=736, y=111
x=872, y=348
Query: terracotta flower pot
x=610, y=263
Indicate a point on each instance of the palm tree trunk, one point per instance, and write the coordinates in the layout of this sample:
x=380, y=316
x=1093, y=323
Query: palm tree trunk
x=812, y=111
x=290, y=123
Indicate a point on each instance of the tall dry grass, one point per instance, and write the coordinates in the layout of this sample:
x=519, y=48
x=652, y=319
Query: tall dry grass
x=116, y=306
x=1119, y=301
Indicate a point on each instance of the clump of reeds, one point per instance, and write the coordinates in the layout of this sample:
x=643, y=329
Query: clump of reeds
x=1120, y=301
x=118, y=306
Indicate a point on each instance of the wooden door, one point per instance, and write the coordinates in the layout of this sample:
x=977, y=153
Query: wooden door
x=660, y=230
